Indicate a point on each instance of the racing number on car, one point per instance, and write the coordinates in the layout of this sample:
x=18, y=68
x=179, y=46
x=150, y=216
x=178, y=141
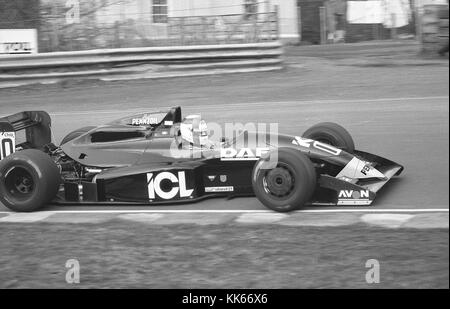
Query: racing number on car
x=7, y=144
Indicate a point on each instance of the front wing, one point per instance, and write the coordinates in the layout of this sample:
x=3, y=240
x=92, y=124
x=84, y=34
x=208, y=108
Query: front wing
x=333, y=191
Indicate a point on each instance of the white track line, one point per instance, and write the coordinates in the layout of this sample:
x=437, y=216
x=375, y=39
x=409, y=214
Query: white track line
x=256, y=104
x=113, y=211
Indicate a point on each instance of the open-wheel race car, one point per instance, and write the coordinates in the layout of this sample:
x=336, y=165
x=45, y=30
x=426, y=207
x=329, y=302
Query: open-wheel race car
x=162, y=158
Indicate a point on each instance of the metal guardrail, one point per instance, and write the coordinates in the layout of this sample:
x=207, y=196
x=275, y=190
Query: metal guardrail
x=176, y=54
x=134, y=63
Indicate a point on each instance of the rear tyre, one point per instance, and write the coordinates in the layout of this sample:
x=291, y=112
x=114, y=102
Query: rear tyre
x=287, y=185
x=332, y=134
x=74, y=134
x=29, y=179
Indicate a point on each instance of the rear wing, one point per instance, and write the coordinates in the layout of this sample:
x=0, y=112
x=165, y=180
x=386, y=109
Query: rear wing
x=37, y=127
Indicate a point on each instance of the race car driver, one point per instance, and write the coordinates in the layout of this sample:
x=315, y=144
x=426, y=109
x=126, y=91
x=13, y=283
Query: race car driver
x=194, y=131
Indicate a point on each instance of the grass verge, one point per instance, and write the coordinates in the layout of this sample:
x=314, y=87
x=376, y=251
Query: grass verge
x=120, y=254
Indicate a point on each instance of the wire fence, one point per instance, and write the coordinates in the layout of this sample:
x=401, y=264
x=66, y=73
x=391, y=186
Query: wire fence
x=69, y=25
x=224, y=29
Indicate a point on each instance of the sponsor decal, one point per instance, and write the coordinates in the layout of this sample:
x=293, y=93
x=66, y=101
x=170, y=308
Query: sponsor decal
x=17, y=47
x=308, y=143
x=354, y=194
x=360, y=169
x=347, y=179
x=168, y=123
x=354, y=197
x=146, y=120
x=366, y=169
x=177, y=185
x=7, y=144
x=354, y=202
x=219, y=189
x=243, y=154
x=212, y=177
x=18, y=41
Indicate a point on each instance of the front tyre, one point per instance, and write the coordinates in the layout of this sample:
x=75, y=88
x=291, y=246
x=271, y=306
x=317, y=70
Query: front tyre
x=289, y=184
x=29, y=179
x=332, y=134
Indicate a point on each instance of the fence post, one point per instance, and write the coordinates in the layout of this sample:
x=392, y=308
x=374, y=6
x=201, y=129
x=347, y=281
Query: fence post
x=277, y=22
x=418, y=23
x=54, y=22
x=394, y=27
x=375, y=31
x=182, y=30
x=117, y=43
x=204, y=27
x=323, y=25
x=255, y=27
x=299, y=23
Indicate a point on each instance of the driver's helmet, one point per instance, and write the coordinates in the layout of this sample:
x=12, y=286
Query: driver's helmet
x=194, y=130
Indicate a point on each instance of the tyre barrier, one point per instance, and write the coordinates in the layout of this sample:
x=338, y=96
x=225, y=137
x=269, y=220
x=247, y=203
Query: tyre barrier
x=133, y=63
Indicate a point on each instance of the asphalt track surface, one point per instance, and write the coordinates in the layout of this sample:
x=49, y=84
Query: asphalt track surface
x=401, y=113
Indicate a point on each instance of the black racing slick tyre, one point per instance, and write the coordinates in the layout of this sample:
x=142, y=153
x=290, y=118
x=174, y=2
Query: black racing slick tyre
x=29, y=179
x=288, y=183
x=332, y=134
x=74, y=134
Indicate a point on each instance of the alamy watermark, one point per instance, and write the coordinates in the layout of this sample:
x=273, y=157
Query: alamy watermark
x=232, y=141
x=373, y=274
x=73, y=271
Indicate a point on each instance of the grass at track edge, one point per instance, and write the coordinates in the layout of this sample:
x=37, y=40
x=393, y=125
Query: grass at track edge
x=120, y=254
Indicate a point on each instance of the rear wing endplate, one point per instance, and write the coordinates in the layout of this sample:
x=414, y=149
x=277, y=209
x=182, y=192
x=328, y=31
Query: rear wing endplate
x=37, y=127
